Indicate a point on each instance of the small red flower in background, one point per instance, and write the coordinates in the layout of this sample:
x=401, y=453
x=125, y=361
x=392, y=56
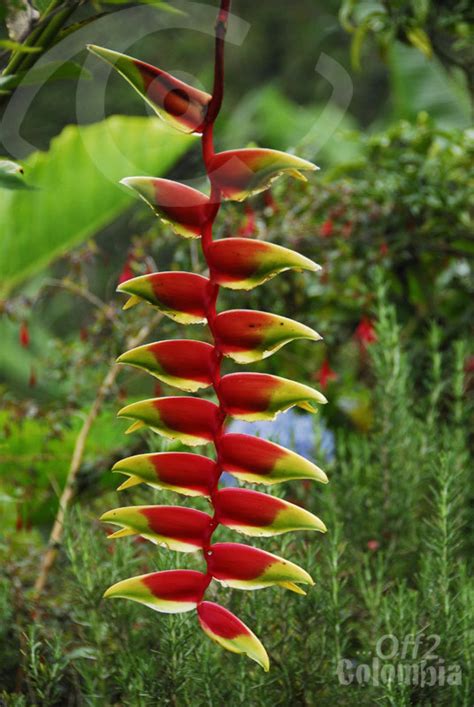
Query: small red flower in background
x=24, y=335
x=383, y=249
x=127, y=272
x=325, y=374
x=327, y=229
x=365, y=332
x=248, y=227
x=84, y=334
x=373, y=545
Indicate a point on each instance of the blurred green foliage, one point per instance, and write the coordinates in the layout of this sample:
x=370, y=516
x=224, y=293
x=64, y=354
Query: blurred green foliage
x=443, y=28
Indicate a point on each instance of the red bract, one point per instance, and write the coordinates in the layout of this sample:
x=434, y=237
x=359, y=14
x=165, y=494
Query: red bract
x=242, y=264
x=242, y=173
x=185, y=209
x=229, y=631
x=182, y=105
x=183, y=363
x=181, y=296
x=241, y=334
x=189, y=474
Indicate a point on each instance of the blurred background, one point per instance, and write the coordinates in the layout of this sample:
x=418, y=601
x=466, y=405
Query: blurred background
x=379, y=95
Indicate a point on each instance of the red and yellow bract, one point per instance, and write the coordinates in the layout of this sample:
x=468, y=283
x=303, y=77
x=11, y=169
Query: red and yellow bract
x=242, y=335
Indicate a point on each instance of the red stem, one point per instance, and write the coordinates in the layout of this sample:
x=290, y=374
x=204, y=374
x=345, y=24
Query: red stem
x=218, y=90
x=206, y=239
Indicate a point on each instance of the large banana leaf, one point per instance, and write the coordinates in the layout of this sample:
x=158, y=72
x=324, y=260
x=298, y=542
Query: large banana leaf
x=76, y=189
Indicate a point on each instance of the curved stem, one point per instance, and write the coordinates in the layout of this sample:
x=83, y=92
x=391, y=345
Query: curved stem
x=206, y=240
x=218, y=90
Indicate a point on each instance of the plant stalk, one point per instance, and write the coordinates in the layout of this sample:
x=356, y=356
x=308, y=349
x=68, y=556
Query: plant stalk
x=69, y=491
x=206, y=240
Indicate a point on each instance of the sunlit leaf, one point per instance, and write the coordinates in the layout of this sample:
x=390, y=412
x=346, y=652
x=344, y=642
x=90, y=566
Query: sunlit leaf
x=37, y=227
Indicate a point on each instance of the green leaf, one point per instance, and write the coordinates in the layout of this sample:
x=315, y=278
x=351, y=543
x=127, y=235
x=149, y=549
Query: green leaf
x=419, y=39
x=71, y=205
x=42, y=5
x=17, y=47
x=419, y=84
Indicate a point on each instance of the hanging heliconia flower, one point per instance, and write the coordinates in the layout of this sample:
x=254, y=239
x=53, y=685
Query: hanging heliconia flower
x=242, y=335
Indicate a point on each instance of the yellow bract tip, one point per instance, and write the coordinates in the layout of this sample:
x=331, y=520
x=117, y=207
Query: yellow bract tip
x=131, y=302
x=128, y=483
x=134, y=427
x=292, y=587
